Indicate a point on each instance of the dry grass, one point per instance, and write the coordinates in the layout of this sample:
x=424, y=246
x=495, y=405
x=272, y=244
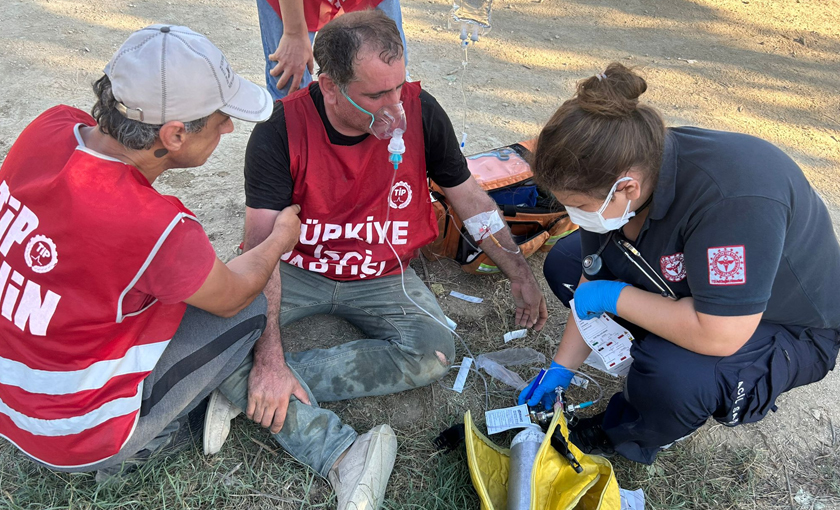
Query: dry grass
x=253, y=472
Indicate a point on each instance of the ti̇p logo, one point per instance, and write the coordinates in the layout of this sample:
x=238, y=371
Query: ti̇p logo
x=40, y=254
x=400, y=195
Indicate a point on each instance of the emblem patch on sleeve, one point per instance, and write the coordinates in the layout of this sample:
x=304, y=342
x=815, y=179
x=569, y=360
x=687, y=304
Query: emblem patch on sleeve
x=673, y=267
x=727, y=266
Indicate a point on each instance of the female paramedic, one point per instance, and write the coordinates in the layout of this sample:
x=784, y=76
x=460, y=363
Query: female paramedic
x=711, y=246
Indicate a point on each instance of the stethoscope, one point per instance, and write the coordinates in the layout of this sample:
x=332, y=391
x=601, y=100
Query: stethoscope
x=593, y=263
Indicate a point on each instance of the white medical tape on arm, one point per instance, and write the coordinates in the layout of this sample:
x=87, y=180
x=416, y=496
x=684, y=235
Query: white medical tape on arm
x=482, y=225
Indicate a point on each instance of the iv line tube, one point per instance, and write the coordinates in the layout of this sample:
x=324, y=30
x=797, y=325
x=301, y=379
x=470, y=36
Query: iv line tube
x=464, y=96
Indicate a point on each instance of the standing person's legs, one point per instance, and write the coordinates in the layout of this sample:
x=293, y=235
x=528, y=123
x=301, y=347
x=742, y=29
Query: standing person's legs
x=271, y=30
x=405, y=348
x=670, y=391
x=392, y=9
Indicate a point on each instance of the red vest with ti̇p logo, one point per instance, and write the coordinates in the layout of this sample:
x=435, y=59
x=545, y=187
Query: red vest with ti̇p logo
x=320, y=12
x=349, y=207
x=77, y=231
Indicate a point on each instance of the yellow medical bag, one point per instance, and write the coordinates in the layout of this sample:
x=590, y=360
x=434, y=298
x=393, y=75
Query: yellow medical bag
x=554, y=483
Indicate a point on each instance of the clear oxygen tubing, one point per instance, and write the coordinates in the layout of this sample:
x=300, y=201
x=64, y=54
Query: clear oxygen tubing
x=402, y=282
x=460, y=338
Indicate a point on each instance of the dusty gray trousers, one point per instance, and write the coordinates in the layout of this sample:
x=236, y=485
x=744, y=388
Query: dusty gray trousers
x=400, y=351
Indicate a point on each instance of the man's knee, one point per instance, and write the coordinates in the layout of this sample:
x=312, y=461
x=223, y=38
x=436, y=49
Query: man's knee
x=438, y=355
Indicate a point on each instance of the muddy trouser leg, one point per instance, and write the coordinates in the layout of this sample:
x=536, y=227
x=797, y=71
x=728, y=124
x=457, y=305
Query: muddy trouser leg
x=670, y=391
x=312, y=435
x=404, y=348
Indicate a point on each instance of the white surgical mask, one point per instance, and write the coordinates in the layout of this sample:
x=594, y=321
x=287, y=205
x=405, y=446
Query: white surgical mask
x=595, y=221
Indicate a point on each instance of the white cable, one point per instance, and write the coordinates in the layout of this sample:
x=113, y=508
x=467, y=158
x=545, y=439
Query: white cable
x=484, y=379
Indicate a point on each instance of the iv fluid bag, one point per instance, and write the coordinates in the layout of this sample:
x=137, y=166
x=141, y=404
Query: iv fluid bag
x=473, y=12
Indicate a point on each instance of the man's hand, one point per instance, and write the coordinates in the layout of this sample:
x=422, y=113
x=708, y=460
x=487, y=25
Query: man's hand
x=293, y=55
x=530, y=303
x=270, y=386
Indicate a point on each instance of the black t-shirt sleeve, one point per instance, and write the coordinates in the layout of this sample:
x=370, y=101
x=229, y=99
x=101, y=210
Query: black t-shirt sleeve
x=268, y=177
x=732, y=255
x=445, y=164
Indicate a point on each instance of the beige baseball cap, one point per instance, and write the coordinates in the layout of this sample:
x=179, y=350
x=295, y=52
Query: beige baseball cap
x=164, y=73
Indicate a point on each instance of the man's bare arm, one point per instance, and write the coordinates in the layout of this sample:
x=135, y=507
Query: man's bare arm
x=231, y=287
x=294, y=50
x=469, y=199
x=271, y=383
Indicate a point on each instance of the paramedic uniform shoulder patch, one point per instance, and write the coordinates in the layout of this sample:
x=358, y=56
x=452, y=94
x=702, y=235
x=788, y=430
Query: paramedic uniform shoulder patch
x=673, y=267
x=727, y=266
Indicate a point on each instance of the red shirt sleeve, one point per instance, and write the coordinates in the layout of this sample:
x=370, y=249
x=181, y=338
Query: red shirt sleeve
x=178, y=270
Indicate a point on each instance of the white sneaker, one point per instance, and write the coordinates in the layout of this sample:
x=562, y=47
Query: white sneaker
x=359, y=480
x=220, y=412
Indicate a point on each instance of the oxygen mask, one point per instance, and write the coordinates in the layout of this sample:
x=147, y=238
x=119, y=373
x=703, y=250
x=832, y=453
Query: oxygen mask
x=385, y=121
x=388, y=122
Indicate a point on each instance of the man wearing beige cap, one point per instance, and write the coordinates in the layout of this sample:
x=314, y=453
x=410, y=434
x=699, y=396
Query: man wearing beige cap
x=116, y=317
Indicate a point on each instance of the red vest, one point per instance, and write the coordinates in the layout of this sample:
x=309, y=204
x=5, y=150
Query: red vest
x=320, y=12
x=76, y=233
x=348, y=205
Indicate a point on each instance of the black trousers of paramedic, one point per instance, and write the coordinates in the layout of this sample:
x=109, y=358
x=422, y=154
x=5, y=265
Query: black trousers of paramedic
x=670, y=391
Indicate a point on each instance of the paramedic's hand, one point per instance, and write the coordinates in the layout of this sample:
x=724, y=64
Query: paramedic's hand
x=293, y=56
x=556, y=376
x=594, y=298
x=530, y=303
x=270, y=386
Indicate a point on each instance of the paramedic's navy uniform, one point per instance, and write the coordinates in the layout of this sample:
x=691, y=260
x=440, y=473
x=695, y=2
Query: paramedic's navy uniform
x=735, y=225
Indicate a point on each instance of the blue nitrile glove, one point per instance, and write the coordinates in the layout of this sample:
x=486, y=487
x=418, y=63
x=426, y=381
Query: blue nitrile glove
x=594, y=298
x=556, y=376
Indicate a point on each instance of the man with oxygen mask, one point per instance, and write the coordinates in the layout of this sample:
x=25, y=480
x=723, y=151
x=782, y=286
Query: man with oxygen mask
x=387, y=122
x=365, y=211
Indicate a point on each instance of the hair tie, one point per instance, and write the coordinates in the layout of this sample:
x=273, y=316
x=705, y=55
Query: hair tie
x=601, y=76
